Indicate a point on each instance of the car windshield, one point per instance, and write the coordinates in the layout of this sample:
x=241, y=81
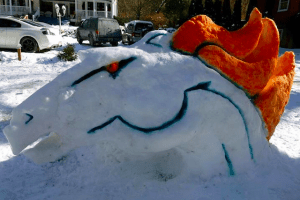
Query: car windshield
x=141, y=26
x=32, y=23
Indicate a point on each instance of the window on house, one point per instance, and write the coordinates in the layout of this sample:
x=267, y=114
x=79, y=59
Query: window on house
x=283, y=5
x=21, y=3
x=100, y=7
x=108, y=7
x=90, y=6
x=280, y=33
x=46, y=6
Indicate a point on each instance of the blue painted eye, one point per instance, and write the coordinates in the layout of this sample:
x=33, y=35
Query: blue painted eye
x=30, y=118
x=152, y=40
x=121, y=64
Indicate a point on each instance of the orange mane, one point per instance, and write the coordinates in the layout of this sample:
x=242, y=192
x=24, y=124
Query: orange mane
x=247, y=57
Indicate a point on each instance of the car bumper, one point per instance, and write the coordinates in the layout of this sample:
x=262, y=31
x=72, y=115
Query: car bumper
x=50, y=41
x=105, y=39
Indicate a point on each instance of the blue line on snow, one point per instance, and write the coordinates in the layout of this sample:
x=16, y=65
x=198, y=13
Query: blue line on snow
x=229, y=163
x=30, y=118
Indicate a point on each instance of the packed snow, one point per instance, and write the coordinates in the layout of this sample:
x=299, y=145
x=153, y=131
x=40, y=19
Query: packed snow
x=108, y=166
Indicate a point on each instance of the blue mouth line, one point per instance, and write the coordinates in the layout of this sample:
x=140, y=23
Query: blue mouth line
x=180, y=114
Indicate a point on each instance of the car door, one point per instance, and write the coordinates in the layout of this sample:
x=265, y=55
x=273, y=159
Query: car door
x=129, y=31
x=83, y=29
x=3, y=25
x=13, y=32
x=90, y=27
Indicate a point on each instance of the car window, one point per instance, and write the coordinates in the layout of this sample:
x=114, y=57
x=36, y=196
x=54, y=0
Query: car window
x=9, y=23
x=110, y=24
x=3, y=23
x=94, y=24
x=130, y=27
x=142, y=26
x=89, y=23
x=14, y=24
x=85, y=24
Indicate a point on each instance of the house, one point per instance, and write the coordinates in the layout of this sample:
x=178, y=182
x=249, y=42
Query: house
x=76, y=10
x=16, y=7
x=286, y=14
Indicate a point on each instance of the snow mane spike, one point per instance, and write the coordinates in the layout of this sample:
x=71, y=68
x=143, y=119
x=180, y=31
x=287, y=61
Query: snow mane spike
x=254, y=71
x=201, y=30
x=247, y=57
x=272, y=100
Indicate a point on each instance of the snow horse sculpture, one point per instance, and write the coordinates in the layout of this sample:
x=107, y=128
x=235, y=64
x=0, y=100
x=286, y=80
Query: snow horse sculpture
x=213, y=96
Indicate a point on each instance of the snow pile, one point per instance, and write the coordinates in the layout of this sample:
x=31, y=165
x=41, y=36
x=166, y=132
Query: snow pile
x=104, y=171
x=158, y=104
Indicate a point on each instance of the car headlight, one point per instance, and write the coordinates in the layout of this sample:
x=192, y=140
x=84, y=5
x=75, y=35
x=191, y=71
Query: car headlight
x=46, y=31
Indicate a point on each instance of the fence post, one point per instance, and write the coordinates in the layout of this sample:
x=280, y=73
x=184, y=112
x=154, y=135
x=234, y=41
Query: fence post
x=19, y=51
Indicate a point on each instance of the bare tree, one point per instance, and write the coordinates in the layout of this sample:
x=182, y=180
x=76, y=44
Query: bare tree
x=176, y=11
x=137, y=9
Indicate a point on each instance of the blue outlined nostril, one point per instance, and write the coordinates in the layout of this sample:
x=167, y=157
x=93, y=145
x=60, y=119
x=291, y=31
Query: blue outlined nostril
x=30, y=118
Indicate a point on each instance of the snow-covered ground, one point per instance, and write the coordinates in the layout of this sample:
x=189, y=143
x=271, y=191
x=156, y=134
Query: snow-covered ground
x=86, y=174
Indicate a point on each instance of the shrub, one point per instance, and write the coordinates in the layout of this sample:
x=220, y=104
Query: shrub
x=68, y=53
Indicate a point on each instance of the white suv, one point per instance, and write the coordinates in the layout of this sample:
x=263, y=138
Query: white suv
x=32, y=36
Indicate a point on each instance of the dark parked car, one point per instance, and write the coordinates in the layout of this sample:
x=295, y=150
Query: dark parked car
x=135, y=30
x=99, y=30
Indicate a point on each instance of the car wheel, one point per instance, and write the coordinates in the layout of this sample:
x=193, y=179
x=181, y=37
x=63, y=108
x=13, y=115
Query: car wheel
x=29, y=45
x=114, y=44
x=91, y=40
x=79, y=40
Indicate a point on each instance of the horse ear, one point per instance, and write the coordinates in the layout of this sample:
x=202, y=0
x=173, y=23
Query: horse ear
x=201, y=30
